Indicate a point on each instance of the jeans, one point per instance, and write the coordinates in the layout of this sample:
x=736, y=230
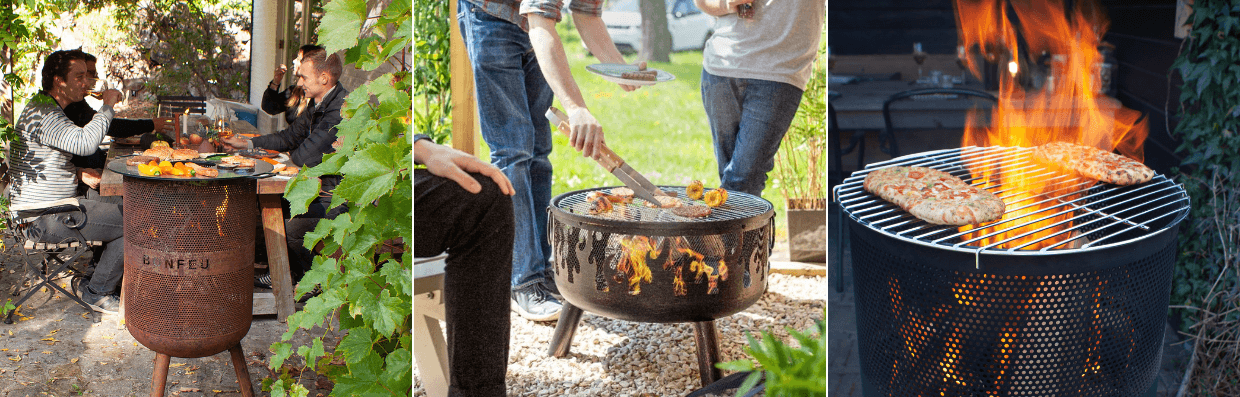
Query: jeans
x=748, y=119
x=476, y=232
x=104, y=222
x=512, y=100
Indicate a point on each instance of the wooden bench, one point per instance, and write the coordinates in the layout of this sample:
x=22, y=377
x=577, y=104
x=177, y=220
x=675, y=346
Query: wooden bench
x=429, y=348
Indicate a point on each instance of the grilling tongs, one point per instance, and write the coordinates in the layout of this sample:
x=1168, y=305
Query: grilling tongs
x=642, y=188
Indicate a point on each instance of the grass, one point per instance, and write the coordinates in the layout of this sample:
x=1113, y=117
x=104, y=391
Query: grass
x=661, y=130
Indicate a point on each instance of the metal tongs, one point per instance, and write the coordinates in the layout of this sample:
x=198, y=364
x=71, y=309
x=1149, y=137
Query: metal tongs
x=642, y=188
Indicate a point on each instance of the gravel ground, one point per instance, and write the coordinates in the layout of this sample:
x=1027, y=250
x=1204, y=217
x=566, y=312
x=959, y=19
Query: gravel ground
x=621, y=358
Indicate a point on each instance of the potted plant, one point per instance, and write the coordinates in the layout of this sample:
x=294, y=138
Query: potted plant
x=800, y=166
x=783, y=369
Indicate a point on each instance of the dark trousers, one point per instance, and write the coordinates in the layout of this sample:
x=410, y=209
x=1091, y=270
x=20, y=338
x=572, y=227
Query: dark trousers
x=104, y=222
x=301, y=258
x=476, y=230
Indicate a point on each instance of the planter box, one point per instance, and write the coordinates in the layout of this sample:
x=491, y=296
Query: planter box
x=807, y=230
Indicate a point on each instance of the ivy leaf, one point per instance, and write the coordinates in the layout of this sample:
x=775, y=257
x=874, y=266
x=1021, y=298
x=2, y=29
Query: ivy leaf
x=312, y=353
x=356, y=345
x=282, y=352
x=369, y=174
x=398, y=374
x=341, y=24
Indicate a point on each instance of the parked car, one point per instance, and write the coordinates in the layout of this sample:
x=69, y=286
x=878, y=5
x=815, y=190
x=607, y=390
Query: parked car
x=689, y=26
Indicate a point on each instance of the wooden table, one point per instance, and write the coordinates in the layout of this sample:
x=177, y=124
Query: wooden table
x=270, y=192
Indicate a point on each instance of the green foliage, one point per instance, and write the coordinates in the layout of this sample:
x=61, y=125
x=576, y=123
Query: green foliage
x=432, y=73
x=1210, y=129
x=368, y=292
x=192, y=44
x=802, y=156
x=789, y=371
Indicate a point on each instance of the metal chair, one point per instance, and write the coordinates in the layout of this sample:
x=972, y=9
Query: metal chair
x=175, y=105
x=45, y=262
x=888, y=142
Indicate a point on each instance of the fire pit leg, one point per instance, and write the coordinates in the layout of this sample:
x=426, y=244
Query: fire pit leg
x=707, y=339
x=160, y=378
x=243, y=373
x=562, y=339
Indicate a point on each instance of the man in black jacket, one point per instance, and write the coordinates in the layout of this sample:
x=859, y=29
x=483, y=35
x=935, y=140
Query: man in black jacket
x=307, y=140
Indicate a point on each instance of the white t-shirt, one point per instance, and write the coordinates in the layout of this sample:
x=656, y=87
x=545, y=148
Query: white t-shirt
x=779, y=43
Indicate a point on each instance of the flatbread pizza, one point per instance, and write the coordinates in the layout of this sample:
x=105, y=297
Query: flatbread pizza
x=1093, y=163
x=934, y=196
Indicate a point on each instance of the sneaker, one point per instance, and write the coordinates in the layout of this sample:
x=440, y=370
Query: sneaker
x=262, y=280
x=535, y=303
x=109, y=304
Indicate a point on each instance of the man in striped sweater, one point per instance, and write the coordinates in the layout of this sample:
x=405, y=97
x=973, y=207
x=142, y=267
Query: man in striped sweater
x=41, y=171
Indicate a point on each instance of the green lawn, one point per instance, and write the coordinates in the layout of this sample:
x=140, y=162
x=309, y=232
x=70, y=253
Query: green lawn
x=660, y=130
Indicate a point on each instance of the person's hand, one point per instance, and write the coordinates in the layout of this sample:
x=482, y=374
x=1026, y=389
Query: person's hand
x=164, y=124
x=641, y=65
x=91, y=177
x=279, y=73
x=733, y=3
x=454, y=164
x=586, y=135
x=235, y=142
x=111, y=97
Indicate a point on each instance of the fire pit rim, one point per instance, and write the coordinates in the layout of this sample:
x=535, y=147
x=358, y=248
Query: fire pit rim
x=650, y=228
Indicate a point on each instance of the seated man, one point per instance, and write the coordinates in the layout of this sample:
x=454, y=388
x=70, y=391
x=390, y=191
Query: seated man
x=461, y=206
x=41, y=171
x=307, y=140
x=291, y=101
x=81, y=113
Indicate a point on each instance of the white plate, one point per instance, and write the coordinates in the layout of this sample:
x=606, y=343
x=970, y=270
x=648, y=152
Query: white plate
x=611, y=72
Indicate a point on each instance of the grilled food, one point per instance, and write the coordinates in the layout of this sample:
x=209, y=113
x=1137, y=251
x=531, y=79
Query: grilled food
x=203, y=171
x=162, y=153
x=665, y=202
x=1093, y=163
x=599, y=203
x=694, y=190
x=715, y=198
x=643, y=75
x=184, y=154
x=289, y=171
x=238, y=161
x=692, y=211
x=934, y=196
x=135, y=160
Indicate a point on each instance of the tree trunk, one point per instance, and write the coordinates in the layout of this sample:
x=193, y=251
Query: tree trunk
x=656, y=39
x=6, y=89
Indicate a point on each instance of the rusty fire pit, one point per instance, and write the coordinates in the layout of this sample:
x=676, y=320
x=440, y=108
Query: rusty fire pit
x=189, y=255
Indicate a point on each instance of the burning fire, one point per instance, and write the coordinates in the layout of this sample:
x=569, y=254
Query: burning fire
x=1050, y=92
x=633, y=268
x=633, y=261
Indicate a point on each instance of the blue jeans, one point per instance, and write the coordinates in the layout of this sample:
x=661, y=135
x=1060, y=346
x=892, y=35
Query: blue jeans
x=748, y=119
x=512, y=100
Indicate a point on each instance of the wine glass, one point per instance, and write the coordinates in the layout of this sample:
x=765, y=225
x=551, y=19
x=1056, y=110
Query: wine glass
x=919, y=56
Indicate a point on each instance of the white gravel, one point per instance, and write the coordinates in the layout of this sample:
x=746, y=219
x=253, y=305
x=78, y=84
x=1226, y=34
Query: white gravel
x=617, y=358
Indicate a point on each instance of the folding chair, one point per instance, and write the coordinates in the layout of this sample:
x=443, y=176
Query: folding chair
x=173, y=105
x=45, y=262
x=430, y=350
x=887, y=141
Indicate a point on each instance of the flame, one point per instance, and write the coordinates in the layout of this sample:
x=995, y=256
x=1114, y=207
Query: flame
x=633, y=262
x=1064, y=106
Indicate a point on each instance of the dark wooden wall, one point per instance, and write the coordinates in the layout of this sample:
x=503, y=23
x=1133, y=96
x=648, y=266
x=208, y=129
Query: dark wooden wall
x=867, y=27
x=1143, y=33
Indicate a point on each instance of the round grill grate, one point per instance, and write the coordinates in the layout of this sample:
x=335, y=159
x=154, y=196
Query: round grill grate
x=741, y=210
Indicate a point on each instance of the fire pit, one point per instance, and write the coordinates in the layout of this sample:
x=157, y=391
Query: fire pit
x=1066, y=296
x=189, y=254
x=644, y=264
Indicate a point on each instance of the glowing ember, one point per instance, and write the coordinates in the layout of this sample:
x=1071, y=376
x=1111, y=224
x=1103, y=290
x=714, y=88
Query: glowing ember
x=1064, y=105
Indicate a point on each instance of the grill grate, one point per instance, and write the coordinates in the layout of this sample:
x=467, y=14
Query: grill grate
x=738, y=206
x=1072, y=214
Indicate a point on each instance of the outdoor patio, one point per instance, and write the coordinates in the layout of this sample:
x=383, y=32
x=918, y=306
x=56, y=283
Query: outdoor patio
x=620, y=358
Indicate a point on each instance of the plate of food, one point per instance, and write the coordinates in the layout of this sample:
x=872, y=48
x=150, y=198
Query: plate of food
x=163, y=164
x=630, y=74
x=257, y=153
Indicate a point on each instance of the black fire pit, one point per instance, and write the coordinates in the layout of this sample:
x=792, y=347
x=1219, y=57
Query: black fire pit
x=645, y=264
x=1072, y=306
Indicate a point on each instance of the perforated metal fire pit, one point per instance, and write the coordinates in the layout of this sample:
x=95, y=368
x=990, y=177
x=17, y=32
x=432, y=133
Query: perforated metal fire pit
x=1072, y=306
x=645, y=264
x=189, y=254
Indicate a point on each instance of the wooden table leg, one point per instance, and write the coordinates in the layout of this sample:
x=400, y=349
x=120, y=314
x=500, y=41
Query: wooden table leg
x=277, y=254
